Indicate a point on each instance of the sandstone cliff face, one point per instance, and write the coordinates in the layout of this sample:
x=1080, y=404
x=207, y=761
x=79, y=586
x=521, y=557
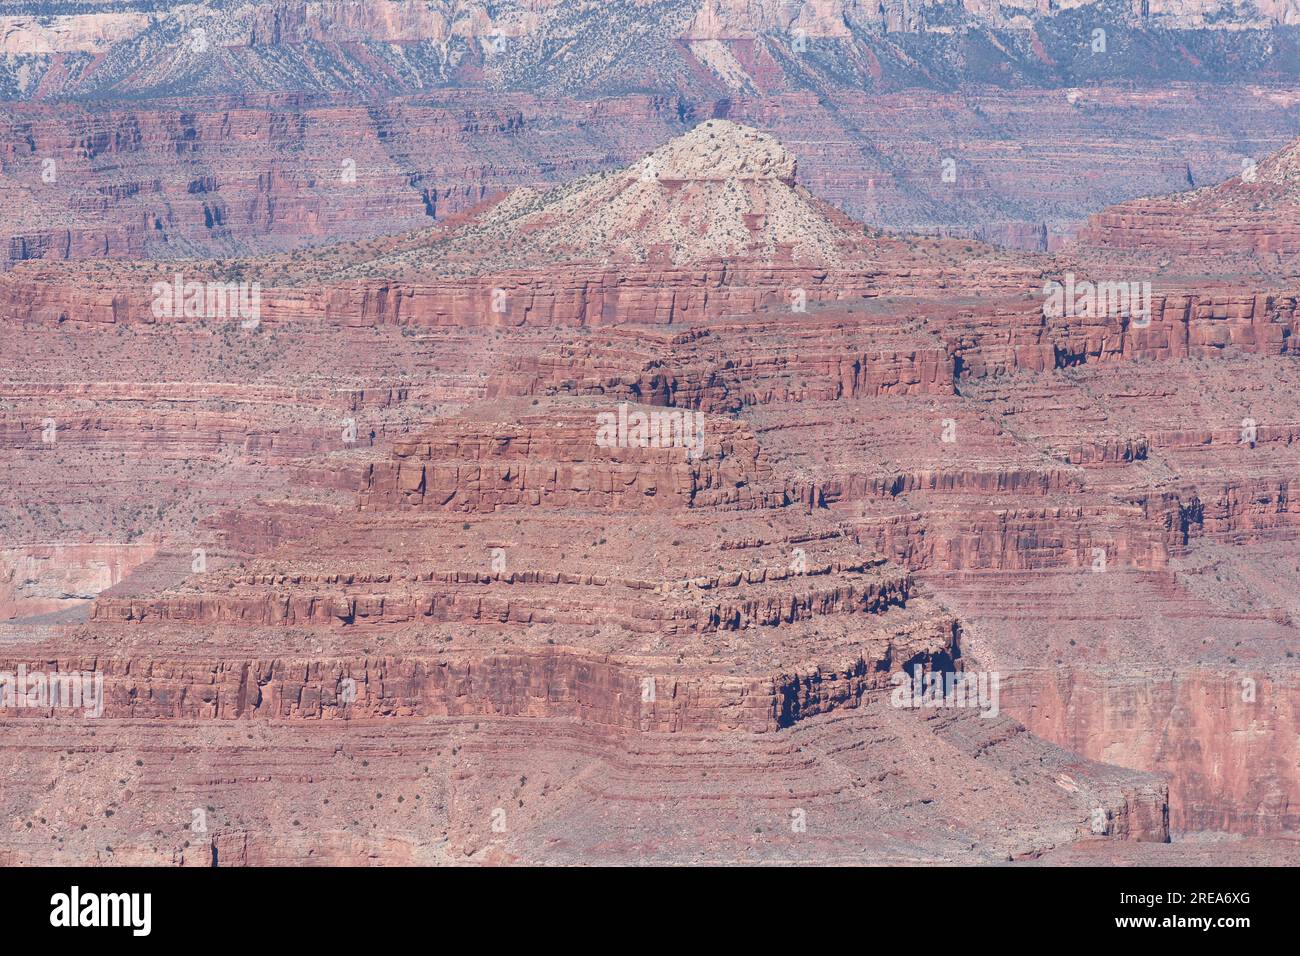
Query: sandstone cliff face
x=721, y=187
x=1251, y=215
x=1226, y=739
x=228, y=130
x=242, y=173
x=394, y=21
x=711, y=224
x=425, y=574
x=603, y=692
x=38, y=579
x=572, y=795
x=237, y=174
x=93, y=33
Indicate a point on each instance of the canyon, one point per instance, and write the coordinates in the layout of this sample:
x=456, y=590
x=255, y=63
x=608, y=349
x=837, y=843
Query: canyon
x=363, y=579
x=382, y=509
x=232, y=129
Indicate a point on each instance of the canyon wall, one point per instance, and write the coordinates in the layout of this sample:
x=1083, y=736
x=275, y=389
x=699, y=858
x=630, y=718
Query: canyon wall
x=1227, y=740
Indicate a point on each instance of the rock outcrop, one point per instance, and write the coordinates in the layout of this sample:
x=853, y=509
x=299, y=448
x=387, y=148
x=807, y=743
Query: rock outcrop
x=1252, y=216
x=639, y=583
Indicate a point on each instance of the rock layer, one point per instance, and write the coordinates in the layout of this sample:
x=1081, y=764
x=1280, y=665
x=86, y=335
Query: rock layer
x=645, y=578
